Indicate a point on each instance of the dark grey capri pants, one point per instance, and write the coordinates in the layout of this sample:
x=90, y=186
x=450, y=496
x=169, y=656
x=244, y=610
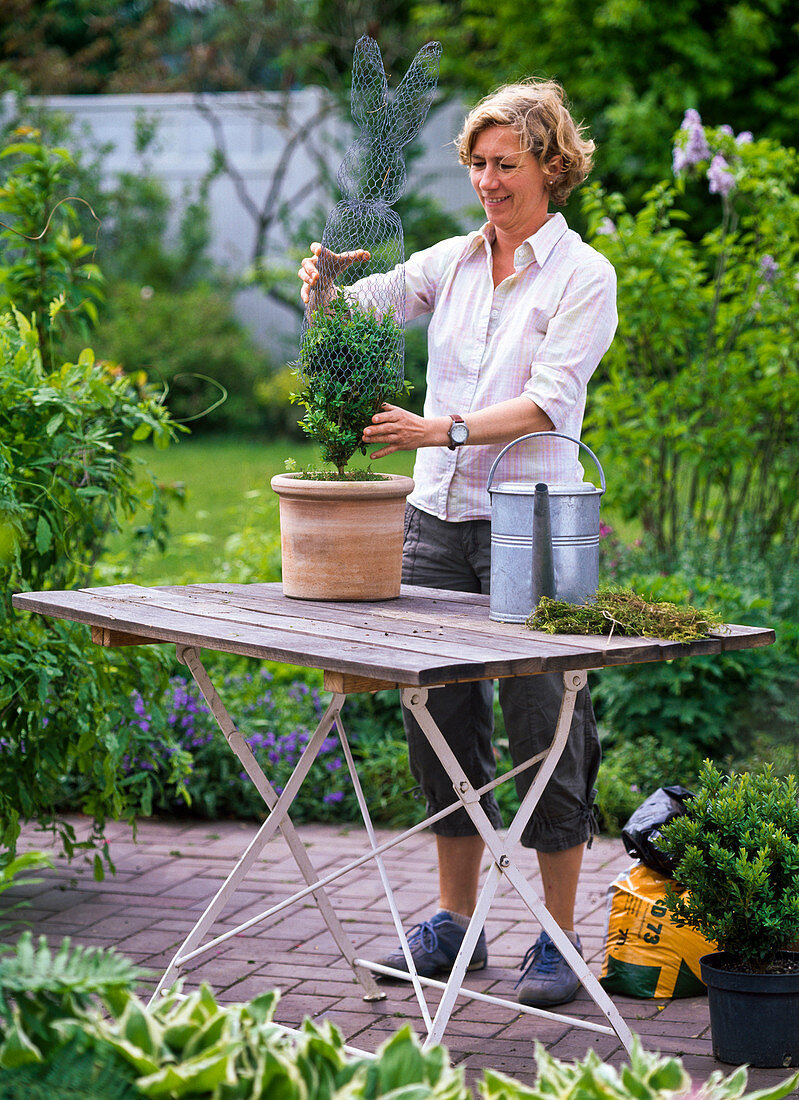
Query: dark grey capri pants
x=439, y=554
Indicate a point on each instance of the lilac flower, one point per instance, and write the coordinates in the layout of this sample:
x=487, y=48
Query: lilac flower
x=693, y=149
x=606, y=228
x=768, y=268
x=720, y=176
x=744, y=138
x=727, y=129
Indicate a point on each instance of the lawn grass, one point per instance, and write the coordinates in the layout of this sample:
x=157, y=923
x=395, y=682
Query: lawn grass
x=223, y=476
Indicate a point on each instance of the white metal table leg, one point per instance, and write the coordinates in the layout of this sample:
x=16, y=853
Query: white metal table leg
x=381, y=867
x=278, y=818
x=502, y=853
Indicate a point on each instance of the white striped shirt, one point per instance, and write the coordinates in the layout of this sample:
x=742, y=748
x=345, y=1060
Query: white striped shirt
x=540, y=333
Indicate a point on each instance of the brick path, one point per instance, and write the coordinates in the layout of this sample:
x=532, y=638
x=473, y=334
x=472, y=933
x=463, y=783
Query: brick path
x=166, y=876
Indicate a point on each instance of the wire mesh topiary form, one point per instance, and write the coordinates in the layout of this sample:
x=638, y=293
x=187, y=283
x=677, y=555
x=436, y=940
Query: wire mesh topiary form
x=352, y=352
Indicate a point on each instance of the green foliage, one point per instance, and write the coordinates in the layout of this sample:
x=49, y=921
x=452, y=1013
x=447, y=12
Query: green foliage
x=713, y=704
x=191, y=347
x=648, y=1075
x=737, y=847
x=159, y=46
x=194, y=1048
x=698, y=396
x=349, y=366
x=42, y=991
x=67, y=481
x=72, y=1073
x=731, y=60
x=65, y=476
x=632, y=769
x=45, y=268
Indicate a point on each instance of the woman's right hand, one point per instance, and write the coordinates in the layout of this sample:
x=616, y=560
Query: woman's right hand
x=314, y=282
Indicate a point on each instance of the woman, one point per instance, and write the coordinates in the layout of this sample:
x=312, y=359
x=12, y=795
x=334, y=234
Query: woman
x=522, y=311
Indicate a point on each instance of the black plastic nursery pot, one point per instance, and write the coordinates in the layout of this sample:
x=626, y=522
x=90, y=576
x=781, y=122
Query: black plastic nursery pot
x=754, y=1018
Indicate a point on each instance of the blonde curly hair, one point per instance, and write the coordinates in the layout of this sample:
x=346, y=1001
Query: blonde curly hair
x=537, y=111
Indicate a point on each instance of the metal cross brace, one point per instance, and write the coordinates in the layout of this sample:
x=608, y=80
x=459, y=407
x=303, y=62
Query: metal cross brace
x=278, y=818
x=502, y=852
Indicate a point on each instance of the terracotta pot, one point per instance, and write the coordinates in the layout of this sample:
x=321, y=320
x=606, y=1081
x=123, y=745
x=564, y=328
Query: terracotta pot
x=341, y=540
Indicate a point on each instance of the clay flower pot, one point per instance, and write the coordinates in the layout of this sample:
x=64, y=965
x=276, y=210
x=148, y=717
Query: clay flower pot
x=341, y=540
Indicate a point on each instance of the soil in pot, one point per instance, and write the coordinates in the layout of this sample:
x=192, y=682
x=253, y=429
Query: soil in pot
x=342, y=540
x=754, y=1018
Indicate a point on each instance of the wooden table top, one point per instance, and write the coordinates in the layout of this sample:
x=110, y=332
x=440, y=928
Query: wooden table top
x=427, y=636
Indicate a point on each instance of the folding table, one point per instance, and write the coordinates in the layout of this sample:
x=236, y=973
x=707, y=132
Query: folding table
x=426, y=638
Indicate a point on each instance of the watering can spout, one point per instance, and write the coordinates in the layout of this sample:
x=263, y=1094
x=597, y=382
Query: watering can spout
x=543, y=564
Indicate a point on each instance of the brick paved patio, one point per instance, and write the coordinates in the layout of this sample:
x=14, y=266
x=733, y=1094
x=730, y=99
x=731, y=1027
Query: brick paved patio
x=168, y=873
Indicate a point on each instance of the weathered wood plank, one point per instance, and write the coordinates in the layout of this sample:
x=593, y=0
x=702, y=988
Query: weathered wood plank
x=421, y=640
x=409, y=617
x=405, y=618
x=428, y=635
x=376, y=662
x=436, y=641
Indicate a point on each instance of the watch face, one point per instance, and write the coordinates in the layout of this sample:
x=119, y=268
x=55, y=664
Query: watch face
x=458, y=433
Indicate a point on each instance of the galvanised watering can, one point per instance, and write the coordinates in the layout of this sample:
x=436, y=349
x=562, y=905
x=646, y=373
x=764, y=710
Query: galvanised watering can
x=544, y=539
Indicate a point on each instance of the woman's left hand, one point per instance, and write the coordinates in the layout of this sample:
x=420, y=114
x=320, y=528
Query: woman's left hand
x=396, y=429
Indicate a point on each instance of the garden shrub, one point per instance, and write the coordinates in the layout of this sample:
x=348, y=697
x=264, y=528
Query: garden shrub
x=633, y=769
x=191, y=345
x=696, y=403
x=712, y=705
x=66, y=478
x=47, y=267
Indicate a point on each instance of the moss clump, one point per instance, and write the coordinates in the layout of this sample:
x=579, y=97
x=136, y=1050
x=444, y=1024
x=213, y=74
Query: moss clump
x=340, y=475
x=622, y=611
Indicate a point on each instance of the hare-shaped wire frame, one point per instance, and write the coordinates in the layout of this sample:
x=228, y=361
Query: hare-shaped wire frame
x=356, y=335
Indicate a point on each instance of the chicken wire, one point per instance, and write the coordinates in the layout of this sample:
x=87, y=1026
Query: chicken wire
x=354, y=327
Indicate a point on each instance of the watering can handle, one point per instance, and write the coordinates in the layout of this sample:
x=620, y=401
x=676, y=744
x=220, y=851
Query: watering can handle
x=534, y=435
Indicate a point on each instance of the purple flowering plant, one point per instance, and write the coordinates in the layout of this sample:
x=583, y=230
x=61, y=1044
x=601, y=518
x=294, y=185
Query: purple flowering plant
x=277, y=720
x=182, y=764
x=697, y=402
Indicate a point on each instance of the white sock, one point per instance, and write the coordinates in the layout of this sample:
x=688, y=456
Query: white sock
x=459, y=919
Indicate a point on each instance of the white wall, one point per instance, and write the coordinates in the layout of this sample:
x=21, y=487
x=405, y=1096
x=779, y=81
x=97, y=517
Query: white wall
x=254, y=128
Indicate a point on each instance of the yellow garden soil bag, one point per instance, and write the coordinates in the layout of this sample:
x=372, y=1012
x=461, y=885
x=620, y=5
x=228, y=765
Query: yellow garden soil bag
x=648, y=952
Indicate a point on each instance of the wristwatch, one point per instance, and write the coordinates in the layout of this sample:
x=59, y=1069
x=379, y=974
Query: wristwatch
x=458, y=432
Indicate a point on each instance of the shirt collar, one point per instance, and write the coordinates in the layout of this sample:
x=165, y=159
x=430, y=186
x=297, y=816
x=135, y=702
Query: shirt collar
x=538, y=245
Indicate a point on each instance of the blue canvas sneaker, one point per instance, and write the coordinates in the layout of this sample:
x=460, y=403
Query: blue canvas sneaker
x=434, y=944
x=547, y=978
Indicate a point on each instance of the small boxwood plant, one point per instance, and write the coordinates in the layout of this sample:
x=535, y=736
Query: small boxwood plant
x=349, y=365
x=737, y=849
